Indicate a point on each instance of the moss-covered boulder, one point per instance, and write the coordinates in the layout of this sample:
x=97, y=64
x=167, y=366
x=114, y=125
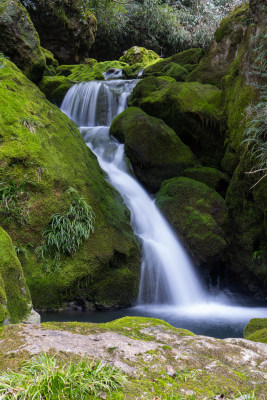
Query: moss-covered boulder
x=193, y=110
x=67, y=29
x=187, y=59
x=222, y=51
x=55, y=88
x=19, y=40
x=175, y=71
x=198, y=214
x=15, y=299
x=256, y=330
x=212, y=177
x=42, y=154
x=154, y=149
x=139, y=55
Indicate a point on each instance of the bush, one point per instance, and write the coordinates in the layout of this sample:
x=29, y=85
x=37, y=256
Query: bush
x=45, y=378
x=66, y=231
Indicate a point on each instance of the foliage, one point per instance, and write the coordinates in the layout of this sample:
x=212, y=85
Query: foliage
x=13, y=200
x=255, y=135
x=66, y=231
x=30, y=124
x=44, y=377
x=165, y=27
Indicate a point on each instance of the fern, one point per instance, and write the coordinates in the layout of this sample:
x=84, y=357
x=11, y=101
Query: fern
x=65, y=232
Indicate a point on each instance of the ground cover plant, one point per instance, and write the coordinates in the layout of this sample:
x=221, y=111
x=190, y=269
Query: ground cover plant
x=44, y=377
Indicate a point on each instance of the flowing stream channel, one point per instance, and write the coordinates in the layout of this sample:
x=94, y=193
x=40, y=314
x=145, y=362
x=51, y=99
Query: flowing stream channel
x=169, y=286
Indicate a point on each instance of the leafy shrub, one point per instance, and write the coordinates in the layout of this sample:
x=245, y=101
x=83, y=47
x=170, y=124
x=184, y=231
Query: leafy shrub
x=45, y=378
x=66, y=231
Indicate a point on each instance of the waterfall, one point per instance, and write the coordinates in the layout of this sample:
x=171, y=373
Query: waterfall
x=167, y=275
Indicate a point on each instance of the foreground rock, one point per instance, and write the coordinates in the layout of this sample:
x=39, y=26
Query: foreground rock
x=147, y=350
x=154, y=149
x=42, y=155
x=19, y=40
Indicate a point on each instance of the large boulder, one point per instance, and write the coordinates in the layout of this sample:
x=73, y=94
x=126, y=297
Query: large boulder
x=15, y=299
x=184, y=61
x=42, y=155
x=67, y=29
x=154, y=149
x=139, y=55
x=212, y=177
x=19, y=40
x=256, y=330
x=192, y=109
x=198, y=214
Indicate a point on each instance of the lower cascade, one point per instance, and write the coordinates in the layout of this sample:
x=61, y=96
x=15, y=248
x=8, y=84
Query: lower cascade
x=167, y=275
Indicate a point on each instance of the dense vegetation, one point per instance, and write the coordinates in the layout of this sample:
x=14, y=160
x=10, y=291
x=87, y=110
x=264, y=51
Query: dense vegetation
x=163, y=26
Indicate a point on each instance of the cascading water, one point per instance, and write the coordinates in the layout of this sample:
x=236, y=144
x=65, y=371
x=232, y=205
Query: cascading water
x=169, y=287
x=167, y=275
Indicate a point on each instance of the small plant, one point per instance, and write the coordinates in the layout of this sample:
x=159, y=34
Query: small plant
x=13, y=200
x=30, y=124
x=66, y=231
x=44, y=377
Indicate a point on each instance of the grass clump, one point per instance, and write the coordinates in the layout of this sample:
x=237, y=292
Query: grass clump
x=14, y=198
x=66, y=231
x=44, y=377
x=255, y=135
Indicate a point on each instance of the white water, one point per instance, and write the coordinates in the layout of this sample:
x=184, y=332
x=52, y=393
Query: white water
x=167, y=275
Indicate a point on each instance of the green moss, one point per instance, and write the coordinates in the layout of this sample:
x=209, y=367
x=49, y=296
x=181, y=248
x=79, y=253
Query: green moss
x=167, y=157
x=185, y=58
x=17, y=294
x=3, y=302
x=197, y=213
x=55, y=87
x=55, y=157
x=139, y=55
x=193, y=110
x=49, y=57
x=213, y=178
x=81, y=72
x=256, y=330
x=175, y=71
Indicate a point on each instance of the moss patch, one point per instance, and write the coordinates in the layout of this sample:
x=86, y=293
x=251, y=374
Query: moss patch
x=256, y=330
x=54, y=157
x=167, y=157
x=198, y=214
x=139, y=55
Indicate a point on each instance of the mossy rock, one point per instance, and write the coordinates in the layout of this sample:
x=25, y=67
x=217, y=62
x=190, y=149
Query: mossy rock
x=14, y=293
x=49, y=57
x=67, y=29
x=198, y=214
x=139, y=55
x=247, y=253
x=188, y=59
x=154, y=149
x=256, y=330
x=193, y=110
x=43, y=148
x=55, y=88
x=19, y=40
x=132, y=71
x=222, y=51
x=175, y=71
x=212, y=177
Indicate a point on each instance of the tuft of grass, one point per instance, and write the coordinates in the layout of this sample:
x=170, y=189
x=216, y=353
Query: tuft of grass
x=44, y=377
x=30, y=124
x=13, y=200
x=66, y=231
